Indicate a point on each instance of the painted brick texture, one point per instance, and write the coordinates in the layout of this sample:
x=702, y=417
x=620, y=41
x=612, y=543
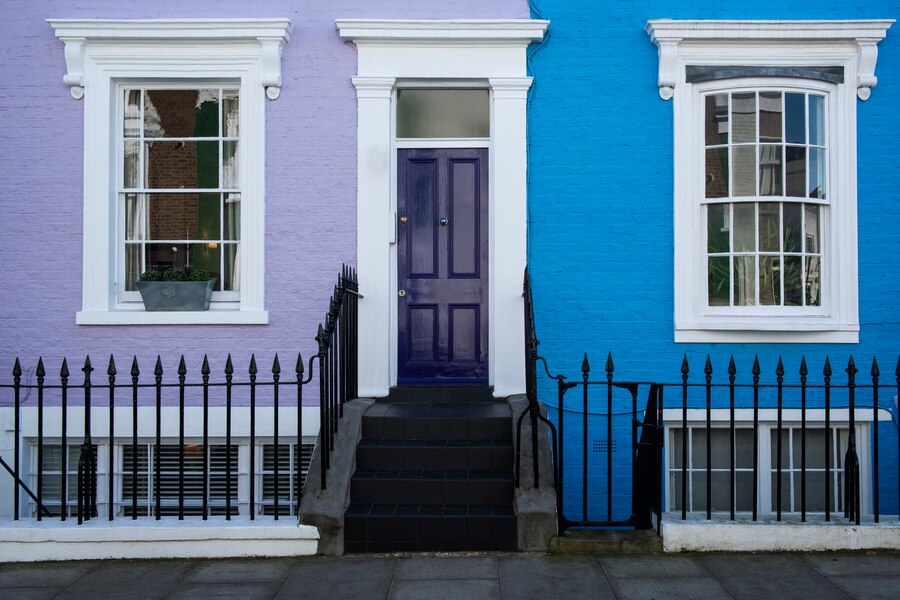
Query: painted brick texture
x=310, y=183
x=600, y=232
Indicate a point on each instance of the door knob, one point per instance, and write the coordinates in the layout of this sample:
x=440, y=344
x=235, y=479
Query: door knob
x=401, y=293
x=404, y=219
x=444, y=221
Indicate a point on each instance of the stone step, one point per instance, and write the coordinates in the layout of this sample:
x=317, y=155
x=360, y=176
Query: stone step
x=434, y=455
x=437, y=421
x=432, y=487
x=428, y=527
x=606, y=541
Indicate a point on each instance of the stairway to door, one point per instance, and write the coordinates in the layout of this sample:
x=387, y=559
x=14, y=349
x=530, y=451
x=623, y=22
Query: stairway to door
x=434, y=472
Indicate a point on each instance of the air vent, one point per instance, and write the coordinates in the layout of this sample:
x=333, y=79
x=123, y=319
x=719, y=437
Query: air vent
x=602, y=446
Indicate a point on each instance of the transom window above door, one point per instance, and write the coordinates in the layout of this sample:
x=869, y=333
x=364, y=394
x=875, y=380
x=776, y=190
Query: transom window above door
x=443, y=113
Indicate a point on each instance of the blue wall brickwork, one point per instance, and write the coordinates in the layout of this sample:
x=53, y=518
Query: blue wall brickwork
x=600, y=213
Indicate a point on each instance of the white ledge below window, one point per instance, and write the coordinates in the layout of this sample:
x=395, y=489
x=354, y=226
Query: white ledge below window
x=200, y=317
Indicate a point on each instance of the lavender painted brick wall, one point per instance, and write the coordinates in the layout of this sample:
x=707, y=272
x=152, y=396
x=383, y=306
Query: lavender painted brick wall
x=310, y=180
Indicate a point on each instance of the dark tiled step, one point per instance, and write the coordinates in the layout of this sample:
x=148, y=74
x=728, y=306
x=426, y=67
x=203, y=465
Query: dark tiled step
x=437, y=421
x=387, y=486
x=444, y=393
x=434, y=455
x=428, y=527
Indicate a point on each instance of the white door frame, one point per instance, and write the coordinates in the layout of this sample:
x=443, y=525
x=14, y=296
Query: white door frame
x=494, y=53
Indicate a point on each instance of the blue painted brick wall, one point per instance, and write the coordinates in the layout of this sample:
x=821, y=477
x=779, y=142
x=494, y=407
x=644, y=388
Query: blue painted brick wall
x=600, y=215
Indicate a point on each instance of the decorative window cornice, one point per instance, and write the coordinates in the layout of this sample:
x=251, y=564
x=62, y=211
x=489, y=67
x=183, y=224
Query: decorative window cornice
x=510, y=31
x=680, y=41
x=269, y=36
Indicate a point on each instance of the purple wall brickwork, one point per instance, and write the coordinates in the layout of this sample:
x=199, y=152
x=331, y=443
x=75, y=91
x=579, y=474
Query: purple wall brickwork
x=310, y=179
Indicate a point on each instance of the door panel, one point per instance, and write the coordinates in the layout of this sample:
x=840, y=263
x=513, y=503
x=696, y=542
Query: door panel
x=442, y=265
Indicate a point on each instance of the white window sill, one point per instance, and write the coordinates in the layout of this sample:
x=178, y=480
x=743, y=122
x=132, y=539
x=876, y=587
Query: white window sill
x=205, y=317
x=743, y=334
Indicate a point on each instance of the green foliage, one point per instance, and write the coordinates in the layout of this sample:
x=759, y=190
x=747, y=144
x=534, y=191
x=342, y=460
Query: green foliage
x=177, y=274
x=151, y=276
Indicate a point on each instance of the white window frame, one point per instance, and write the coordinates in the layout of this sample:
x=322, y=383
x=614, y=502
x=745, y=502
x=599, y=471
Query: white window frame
x=791, y=417
x=847, y=44
x=488, y=53
x=102, y=54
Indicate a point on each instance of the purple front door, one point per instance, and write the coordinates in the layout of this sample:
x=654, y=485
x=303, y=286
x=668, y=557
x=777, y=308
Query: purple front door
x=442, y=269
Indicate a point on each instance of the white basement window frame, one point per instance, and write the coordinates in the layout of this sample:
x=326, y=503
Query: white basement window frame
x=834, y=60
x=766, y=464
x=102, y=56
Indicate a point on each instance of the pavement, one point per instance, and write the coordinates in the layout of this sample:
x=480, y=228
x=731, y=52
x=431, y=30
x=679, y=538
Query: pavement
x=519, y=576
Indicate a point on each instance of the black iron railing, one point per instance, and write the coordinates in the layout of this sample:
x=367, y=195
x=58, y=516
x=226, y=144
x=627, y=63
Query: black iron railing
x=694, y=484
x=337, y=380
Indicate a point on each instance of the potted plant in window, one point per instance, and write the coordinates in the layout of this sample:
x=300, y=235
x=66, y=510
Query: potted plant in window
x=176, y=289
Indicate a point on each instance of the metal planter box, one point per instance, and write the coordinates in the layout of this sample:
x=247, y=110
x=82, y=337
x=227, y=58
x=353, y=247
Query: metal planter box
x=176, y=295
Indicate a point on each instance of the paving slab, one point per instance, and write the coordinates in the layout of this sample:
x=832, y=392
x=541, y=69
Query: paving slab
x=244, y=570
x=447, y=567
x=34, y=593
x=345, y=578
x=670, y=588
x=869, y=587
x=61, y=574
x=224, y=591
x=541, y=577
x=653, y=566
x=856, y=564
x=445, y=589
x=128, y=580
x=770, y=576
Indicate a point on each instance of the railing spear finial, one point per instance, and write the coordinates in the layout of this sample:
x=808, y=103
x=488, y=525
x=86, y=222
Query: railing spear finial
x=685, y=368
x=732, y=370
x=40, y=372
x=803, y=370
x=204, y=370
x=299, y=367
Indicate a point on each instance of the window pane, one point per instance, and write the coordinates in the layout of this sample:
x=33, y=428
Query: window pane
x=230, y=165
x=698, y=448
x=716, y=124
x=134, y=216
x=231, y=278
x=795, y=118
x=793, y=282
x=769, y=281
x=721, y=491
x=677, y=445
x=815, y=448
x=132, y=167
x=744, y=281
x=717, y=173
x=743, y=117
x=698, y=491
x=813, y=281
x=182, y=165
x=232, y=217
x=785, y=448
x=812, y=228
x=160, y=257
x=770, y=116
x=796, y=171
x=183, y=216
x=785, y=491
x=817, y=120
x=443, y=113
x=717, y=228
x=230, y=113
x=815, y=491
x=793, y=227
x=132, y=117
x=770, y=171
x=817, y=173
x=744, y=178
x=743, y=440
x=721, y=448
x=744, y=227
x=181, y=113
x=769, y=227
x=719, y=284
x=675, y=491
x=133, y=265
x=743, y=482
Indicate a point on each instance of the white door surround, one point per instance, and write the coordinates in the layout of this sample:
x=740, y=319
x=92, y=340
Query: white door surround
x=482, y=53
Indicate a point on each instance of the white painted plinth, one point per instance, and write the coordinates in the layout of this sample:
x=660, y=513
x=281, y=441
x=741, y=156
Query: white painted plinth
x=28, y=541
x=696, y=535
